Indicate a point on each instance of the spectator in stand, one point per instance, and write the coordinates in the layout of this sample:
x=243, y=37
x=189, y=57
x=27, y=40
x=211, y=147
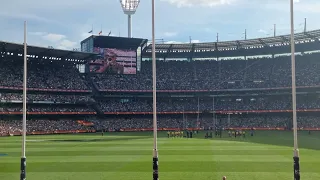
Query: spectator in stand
x=14, y=126
x=236, y=121
x=45, y=97
x=221, y=104
x=43, y=74
x=260, y=72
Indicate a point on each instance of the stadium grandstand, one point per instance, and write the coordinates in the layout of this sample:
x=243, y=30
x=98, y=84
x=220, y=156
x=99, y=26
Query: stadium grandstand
x=234, y=86
x=230, y=83
x=240, y=100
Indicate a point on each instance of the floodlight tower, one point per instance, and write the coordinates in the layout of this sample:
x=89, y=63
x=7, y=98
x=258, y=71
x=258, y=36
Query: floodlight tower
x=129, y=7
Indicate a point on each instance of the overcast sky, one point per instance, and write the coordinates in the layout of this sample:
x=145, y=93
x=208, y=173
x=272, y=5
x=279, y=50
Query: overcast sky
x=64, y=23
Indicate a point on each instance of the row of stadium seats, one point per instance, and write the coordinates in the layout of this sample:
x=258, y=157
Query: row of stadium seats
x=272, y=103
x=163, y=122
x=45, y=97
x=13, y=126
x=211, y=75
x=263, y=72
x=60, y=103
x=47, y=109
x=42, y=74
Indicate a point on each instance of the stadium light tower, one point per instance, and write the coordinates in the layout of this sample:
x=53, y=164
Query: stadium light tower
x=129, y=8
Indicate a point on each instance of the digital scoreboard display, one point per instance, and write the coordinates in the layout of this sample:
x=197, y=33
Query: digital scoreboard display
x=114, y=61
x=114, y=55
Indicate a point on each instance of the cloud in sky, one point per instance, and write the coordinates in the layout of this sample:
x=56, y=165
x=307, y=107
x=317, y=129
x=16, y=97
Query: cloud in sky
x=66, y=44
x=195, y=41
x=172, y=42
x=54, y=37
x=63, y=24
x=6, y=14
x=170, y=34
x=189, y=3
x=262, y=31
x=57, y=41
x=179, y=42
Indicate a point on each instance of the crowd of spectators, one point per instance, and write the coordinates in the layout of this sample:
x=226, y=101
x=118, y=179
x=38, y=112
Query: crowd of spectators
x=235, y=121
x=47, y=108
x=15, y=126
x=220, y=104
x=43, y=74
x=45, y=97
x=283, y=102
x=50, y=109
x=263, y=72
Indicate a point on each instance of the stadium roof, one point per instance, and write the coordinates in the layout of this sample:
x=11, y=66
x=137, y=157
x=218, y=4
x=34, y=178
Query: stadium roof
x=75, y=56
x=116, y=42
x=305, y=41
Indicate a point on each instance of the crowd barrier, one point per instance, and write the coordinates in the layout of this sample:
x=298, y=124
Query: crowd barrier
x=273, y=129
x=159, y=129
x=216, y=112
x=148, y=129
x=49, y=132
x=175, y=112
x=199, y=129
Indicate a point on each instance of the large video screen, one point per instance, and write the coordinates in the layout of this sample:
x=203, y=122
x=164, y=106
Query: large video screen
x=114, y=61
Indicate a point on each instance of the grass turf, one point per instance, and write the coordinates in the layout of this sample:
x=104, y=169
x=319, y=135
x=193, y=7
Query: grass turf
x=128, y=156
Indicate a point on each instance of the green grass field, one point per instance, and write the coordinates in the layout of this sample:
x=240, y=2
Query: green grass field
x=128, y=156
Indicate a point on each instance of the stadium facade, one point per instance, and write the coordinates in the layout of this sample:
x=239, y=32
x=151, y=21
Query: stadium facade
x=240, y=84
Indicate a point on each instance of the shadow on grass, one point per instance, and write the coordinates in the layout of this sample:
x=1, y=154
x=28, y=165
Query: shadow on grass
x=278, y=138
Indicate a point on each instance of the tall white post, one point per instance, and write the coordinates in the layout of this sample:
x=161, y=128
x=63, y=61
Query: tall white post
x=294, y=101
x=154, y=94
x=24, y=108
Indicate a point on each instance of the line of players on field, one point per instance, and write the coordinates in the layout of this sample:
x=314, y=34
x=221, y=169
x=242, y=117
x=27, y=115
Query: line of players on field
x=180, y=134
x=209, y=134
x=237, y=133
x=231, y=133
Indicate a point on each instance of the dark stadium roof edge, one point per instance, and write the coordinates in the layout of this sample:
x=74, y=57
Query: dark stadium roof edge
x=76, y=56
x=305, y=41
x=116, y=42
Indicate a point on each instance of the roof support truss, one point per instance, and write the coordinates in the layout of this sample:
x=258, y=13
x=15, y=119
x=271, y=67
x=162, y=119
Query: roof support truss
x=192, y=50
x=3, y=45
x=43, y=53
x=66, y=55
x=284, y=39
x=263, y=43
x=216, y=46
x=3, y=50
x=168, y=51
x=310, y=36
x=238, y=44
